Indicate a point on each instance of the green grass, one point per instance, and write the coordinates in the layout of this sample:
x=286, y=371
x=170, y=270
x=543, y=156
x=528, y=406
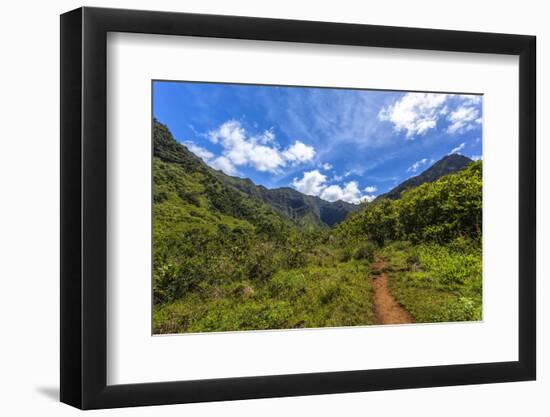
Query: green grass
x=313, y=296
x=436, y=283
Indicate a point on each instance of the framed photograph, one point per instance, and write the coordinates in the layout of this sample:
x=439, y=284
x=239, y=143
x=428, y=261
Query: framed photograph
x=257, y=208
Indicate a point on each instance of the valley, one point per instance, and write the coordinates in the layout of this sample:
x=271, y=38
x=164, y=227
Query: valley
x=229, y=255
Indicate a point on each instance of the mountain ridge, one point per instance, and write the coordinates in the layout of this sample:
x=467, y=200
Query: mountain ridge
x=301, y=208
x=305, y=211
x=447, y=165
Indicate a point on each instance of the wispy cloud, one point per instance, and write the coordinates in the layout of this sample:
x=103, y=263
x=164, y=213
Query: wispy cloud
x=417, y=165
x=415, y=113
x=463, y=119
x=201, y=152
x=273, y=135
x=331, y=118
x=458, y=148
x=223, y=164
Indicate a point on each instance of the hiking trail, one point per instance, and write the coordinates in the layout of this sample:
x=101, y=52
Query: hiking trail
x=386, y=307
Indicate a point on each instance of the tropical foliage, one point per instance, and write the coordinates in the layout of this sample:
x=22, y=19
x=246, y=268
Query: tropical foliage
x=226, y=257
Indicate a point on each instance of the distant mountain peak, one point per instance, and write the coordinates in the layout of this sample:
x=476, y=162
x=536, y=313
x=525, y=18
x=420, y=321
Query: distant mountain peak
x=454, y=157
x=445, y=166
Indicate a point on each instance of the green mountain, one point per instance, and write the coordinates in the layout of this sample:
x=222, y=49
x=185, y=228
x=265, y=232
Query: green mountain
x=438, y=211
x=447, y=165
x=191, y=185
x=238, y=197
x=303, y=210
x=227, y=255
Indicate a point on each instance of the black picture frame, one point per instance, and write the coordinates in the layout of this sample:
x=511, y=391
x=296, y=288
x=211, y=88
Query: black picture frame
x=84, y=207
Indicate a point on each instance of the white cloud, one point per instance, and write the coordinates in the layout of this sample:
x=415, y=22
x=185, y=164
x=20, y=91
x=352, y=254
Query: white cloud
x=463, y=119
x=326, y=166
x=299, y=153
x=470, y=100
x=332, y=193
x=223, y=164
x=418, y=164
x=476, y=157
x=201, y=152
x=264, y=158
x=415, y=113
x=370, y=189
x=261, y=152
x=349, y=193
x=266, y=138
x=458, y=148
x=368, y=198
x=312, y=183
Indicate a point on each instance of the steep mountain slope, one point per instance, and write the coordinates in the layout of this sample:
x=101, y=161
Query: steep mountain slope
x=447, y=165
x=439, y=211
x=304, y=210
x=185, y=188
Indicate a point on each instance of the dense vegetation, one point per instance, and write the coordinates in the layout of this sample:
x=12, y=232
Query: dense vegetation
x=223, y=259
x=431, y=240
x=306, y=211
x=438, y=212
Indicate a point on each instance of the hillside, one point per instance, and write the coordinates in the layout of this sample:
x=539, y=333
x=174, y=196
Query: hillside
x=186, y=181
x=447, y=165
x=226, y=262
x=439, y=211
x=227, y=254
x=304, y=210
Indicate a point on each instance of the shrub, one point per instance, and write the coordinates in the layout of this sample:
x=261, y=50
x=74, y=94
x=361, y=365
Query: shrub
x=440, y=212
x=295, y=257
x=365, y=251
x=172, y=281
x=345, y=254
x=261, y=263
x=160, y=196
x=330, y=294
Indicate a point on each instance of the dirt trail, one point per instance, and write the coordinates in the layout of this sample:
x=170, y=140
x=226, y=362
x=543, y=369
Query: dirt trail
x=386, y=308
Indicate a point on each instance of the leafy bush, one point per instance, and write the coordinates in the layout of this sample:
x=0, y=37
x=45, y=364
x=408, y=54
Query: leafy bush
x=172, y=281
x=441, y=211
x=346, y=254
x=365, y=251
x=295, y=258
x=261, y=262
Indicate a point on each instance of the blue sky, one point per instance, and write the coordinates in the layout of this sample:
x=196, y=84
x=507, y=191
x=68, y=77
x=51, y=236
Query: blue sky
x=338, y=144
